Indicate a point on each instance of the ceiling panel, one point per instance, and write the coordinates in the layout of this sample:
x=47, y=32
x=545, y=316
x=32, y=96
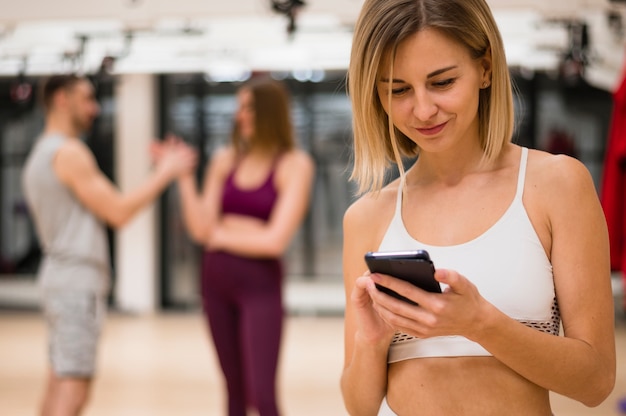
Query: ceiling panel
x=14, y=11
x=156, y=36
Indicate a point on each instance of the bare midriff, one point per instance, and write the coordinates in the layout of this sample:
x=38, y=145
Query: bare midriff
x=460, y=386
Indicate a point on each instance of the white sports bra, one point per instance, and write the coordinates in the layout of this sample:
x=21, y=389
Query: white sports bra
x=508, y=265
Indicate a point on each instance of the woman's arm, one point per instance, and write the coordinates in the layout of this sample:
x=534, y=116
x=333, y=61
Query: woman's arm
x=295, y=175
x=201, y=211
x=580, y=365
x=366, y=336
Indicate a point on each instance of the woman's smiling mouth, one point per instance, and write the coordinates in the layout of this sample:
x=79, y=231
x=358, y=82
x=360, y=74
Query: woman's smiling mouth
x=429, y=131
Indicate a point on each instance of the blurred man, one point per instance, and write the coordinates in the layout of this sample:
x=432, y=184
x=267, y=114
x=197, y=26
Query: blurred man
x=70, y=201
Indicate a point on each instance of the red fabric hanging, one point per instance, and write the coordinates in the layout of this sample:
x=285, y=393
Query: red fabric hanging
x=613, y=188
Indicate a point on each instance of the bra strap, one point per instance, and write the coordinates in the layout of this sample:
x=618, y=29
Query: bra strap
x=399, y=198
x=521, y=176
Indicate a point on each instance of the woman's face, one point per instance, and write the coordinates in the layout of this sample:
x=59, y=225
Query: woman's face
x=245, y=113
x=434, y=90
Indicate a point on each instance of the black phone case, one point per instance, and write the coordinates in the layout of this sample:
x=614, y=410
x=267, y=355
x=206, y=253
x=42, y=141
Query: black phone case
x=414, y=267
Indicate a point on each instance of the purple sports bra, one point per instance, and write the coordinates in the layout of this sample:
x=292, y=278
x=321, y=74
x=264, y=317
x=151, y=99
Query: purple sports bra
x=257, y=202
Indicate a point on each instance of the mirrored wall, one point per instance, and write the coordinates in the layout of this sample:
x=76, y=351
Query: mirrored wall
x=201, y=112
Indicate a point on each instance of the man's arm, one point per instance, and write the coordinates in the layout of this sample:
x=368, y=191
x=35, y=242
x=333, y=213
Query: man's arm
x=76, y=167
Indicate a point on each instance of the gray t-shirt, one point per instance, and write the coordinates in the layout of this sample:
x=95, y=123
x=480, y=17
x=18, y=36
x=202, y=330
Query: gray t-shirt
x=73, y=239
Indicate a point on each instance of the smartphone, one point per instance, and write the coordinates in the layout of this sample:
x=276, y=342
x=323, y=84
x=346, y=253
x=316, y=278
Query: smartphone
x=414, y=266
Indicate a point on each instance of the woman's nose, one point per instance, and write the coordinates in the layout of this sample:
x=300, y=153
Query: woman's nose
x=424, y=107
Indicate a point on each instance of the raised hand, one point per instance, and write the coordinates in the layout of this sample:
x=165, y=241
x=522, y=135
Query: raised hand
x=175, y=157
x=158, y=147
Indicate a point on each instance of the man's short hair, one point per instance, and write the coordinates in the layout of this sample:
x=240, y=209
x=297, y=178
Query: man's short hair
x=56, y=83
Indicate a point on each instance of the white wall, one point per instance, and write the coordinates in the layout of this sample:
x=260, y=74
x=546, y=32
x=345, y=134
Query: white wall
x=136, y=285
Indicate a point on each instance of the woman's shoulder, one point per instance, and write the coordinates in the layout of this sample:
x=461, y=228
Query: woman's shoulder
x=558, y=181
x=223, y=160
x=556, y=170
x=372, y=208
x=296, y=157
x=224, y=153
x=295, y=160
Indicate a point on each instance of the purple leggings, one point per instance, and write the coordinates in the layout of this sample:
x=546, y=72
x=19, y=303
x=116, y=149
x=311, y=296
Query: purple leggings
x=242, y=301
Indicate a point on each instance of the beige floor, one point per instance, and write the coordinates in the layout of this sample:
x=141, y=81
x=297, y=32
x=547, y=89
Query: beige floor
x=164, y=365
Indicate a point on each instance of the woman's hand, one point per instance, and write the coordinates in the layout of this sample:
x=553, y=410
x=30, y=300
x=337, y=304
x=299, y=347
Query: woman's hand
x=459, y=310
x=371, y=327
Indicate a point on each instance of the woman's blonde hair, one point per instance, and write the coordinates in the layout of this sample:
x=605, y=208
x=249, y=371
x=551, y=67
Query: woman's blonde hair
x=381, y=26
x=273, y=129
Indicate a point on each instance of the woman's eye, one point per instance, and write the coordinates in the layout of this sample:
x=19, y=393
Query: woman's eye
x=444, y=83
x=399, y=91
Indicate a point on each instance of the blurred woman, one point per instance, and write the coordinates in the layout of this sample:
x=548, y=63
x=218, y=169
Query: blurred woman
x=255, y=196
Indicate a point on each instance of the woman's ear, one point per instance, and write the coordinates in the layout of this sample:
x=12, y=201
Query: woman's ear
x=485, y=64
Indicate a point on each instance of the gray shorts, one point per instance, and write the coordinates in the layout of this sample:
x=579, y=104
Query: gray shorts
x=74, y=319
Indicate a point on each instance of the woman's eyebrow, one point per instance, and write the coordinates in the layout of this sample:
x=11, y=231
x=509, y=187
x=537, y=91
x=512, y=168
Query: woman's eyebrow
x=432, y=74
x=441, y=71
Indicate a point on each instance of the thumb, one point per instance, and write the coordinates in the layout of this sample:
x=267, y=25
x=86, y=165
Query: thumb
x=449, y=280
x=360, y=291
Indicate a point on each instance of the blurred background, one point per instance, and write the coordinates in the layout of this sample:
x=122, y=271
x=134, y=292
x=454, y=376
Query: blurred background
x=173, y=66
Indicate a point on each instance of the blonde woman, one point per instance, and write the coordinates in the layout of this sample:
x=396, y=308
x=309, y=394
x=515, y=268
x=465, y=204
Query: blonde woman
x=517, y=236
